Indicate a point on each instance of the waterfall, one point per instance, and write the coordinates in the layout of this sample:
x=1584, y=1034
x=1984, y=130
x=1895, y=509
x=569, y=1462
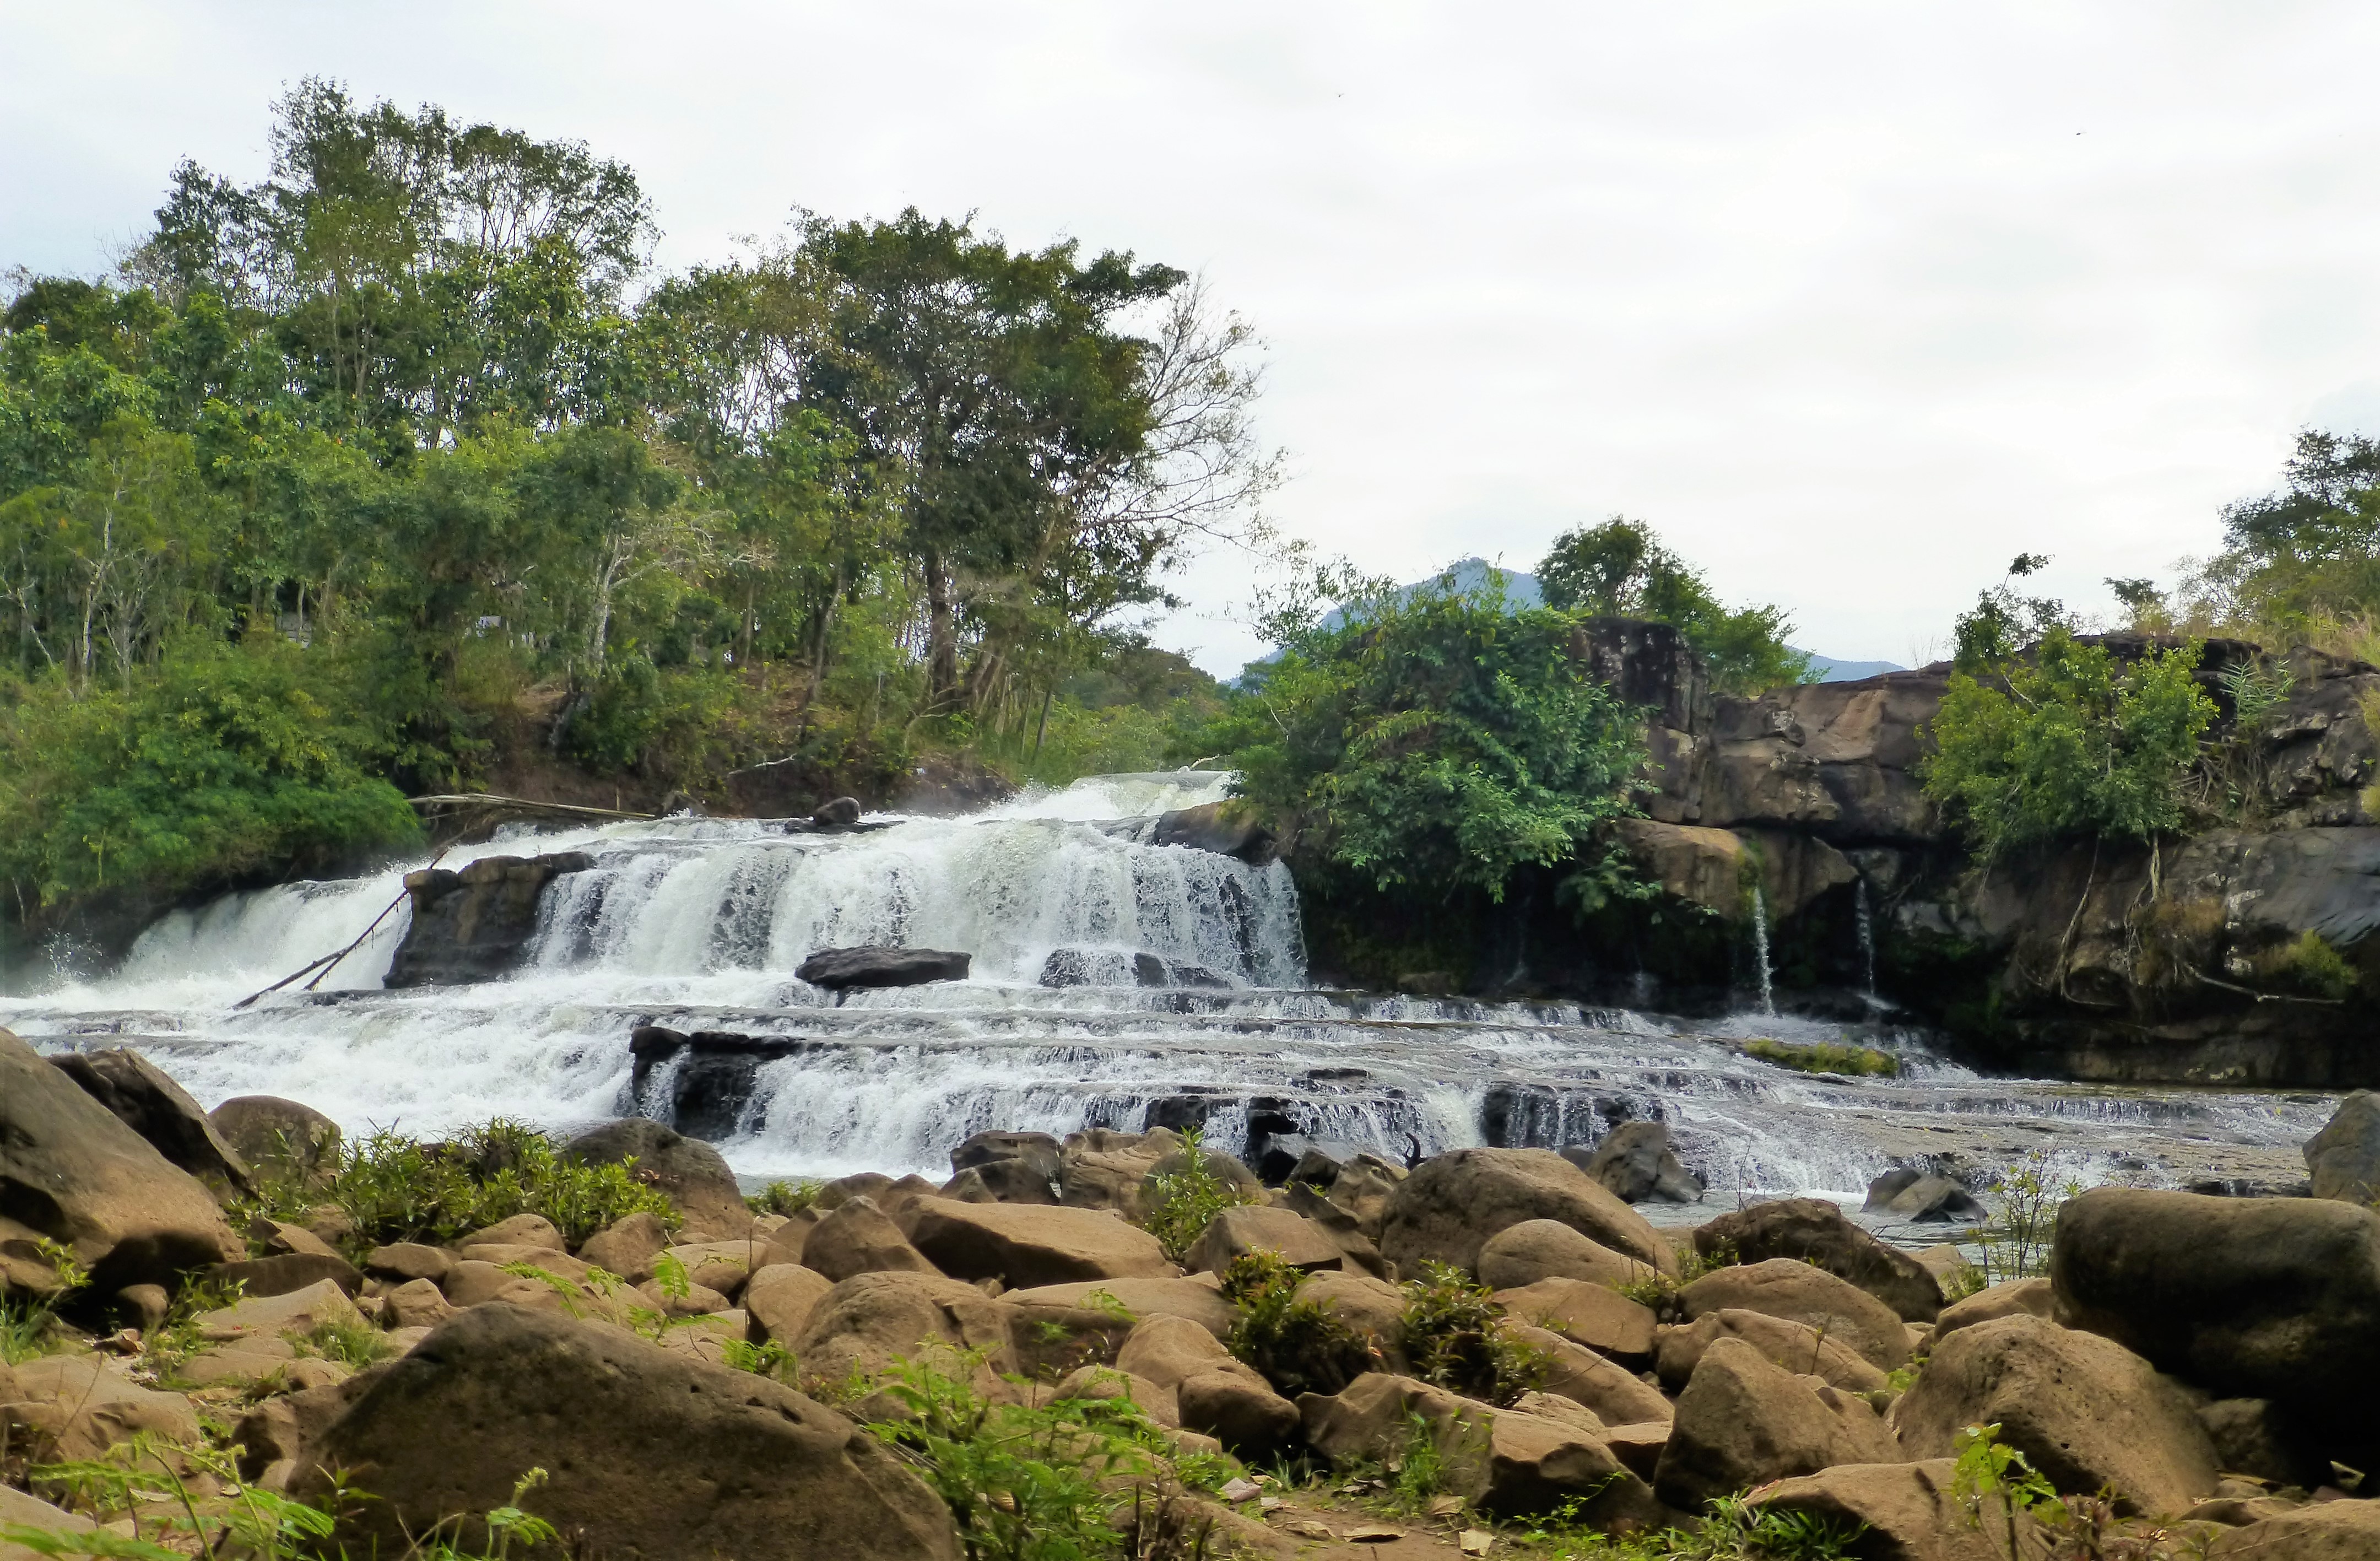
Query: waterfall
x=1866, y=939
x=1760, y=951
x=1116, y=982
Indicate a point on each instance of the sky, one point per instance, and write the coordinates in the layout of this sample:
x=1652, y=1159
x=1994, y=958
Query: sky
x=1852, y=301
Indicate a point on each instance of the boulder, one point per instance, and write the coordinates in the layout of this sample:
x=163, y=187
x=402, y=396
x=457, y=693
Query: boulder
x=1453, y=1203
x=648, y=1453
x=1912, y=1195
x=296, y=1311
x=288, y=1271
x=141, y=1097
x=1026, y=1245
x=1743, y=1421
x=2252, y=1298
x=1510, y=1463
x=1814, y=1231
x=2344, y=1158
x=862, y=1325
x=723, y=1266
x=1105, y=1169
x=842, y=812
x=1049, y=1339
x=780, y=1298
x=1373, y=1308
x=1634, y=1162
x=280, y=1439
x=1522, y=1254
x=72, y=1172
x=279, y=1139
x=31, y=1512
x=2257, y=1438
x=475, y=923
x=1229, y=828
x=1217, y=1394
x=417, y=1303
x=1038, y=1151
x=1202, y=1304
x=278, y=1237
x=1594, y=1315
x=1783, y=1288
x=1909, y=1511
x=840, y=969
x=519, y=1230
x=2085, y=1410
x=67, y=1407
x=1094, y=1382
x=1256, y=1227
x=860, y=1237
x=1797, y=1346
x=627, y=1247
x=408, y=1260
x=1617, y=1396
x=689, y=1172
x=2031, y=1296
x=2336, y=1530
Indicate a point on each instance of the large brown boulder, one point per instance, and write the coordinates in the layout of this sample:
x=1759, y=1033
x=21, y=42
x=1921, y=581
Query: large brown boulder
x=1522, y=1254
x=280, y=1139
x=1023, y=1245
x=1782, y=1287
x=2034, y=1296
x=1373, y=1308
x=1617, y=1396
x=1814, y=1231
x=689, y=1172
x=145, y=1100
x=65, y=1408
x=2337, y=1530
x=2086, y=1411
x=2344, y=1158
x=648, y=1453
x=71, y=1171
x=1257, y=1227
x=1510, y=1463
x=1797, y=1346
x=1901, y=1511
x=1743, y=1421
x=780, y=1298
x=1140, y=1297
x=867, y=1322
x=1217, y=1394
x=1634, y=1162
x=2252, y=1298
x=1453, y=1203
x=1594, y=1315
x=860, y=1237
x=1101, y=1168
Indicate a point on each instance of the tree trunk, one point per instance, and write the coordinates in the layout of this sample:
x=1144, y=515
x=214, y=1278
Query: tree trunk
x=942, y=690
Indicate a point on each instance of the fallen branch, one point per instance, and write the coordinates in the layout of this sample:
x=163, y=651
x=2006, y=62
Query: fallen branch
x=490, y=801
x=322, y=965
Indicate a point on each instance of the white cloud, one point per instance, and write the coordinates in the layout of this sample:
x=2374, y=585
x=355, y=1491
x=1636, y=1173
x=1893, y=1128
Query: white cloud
x=1853, y=300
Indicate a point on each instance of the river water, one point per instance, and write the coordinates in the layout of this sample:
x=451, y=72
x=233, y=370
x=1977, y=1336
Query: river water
x=698, y=924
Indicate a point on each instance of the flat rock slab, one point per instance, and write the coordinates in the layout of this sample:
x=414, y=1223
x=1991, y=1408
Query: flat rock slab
x=838, y=970
x=1026, y=1245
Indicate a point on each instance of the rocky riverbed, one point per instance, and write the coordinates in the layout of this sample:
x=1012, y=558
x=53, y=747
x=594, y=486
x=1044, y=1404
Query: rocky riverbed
x=776, y=1377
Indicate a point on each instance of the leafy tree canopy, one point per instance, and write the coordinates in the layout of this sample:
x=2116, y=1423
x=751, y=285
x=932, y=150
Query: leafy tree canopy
x=2310, y=551
x=1622, y=567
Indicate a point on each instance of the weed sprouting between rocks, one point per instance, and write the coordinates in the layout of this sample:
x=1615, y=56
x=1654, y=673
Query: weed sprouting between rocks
x=1452, y=1338
x=1298, y=1346
x=1182, y=1204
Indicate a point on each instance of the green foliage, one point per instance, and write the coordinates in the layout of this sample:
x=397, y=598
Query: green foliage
x=2023, y=1198
x=1437, y=741
x=355, y=1345
x=1824, y=1057
x=770, y=1360
x=1989, y=1474
x=1621, y=567
x=2004, y=621
x=2069, y=742
x=396, y=1188
x=1733, y=1530
x=1296, y=1344
x=2309, y=964
x=2310, y=552
x=1453, y=1338
x=1659, y=1291
x=786, y=1198
x=1071, y=1480
x=1181, y=1204
x=29, y=1324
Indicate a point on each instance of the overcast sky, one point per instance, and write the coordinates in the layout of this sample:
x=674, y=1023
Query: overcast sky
x=1852, y=301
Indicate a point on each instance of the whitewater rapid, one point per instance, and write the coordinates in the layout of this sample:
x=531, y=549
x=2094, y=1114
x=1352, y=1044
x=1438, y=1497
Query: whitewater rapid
x=697, y=924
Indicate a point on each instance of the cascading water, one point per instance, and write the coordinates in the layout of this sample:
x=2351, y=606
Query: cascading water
x=1866, y=939
x=1760, y=952
x=1067, y=906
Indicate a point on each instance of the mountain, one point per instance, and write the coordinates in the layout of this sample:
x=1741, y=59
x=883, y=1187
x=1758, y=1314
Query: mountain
x=1520, y=591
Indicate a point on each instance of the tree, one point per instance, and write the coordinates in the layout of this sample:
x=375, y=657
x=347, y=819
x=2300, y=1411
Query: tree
x=2067, y=741
x=2312, y=550
x=2004, y=621
x=1439, y=740
x=1621, y=569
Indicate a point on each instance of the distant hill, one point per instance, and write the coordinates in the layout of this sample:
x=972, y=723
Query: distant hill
x=1522, y=591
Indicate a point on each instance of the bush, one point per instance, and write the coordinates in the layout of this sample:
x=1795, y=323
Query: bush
x=2068, y=743
x=396, y=1188
x=1622, y=567
x=1298, y=1346
x=1182, y=1204
x=1824, y=1057
x=2310, y=965
x=1441, y=740
x=1451, y=1337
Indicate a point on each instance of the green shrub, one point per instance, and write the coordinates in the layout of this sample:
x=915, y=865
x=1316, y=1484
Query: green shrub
x=1824, y=1057
x=1452, y=1338
x=786, y=1198
x=397, y=1188
x=1182, y=1204
x=1298, y=1346
x=2068, y=743
x=2309, y=964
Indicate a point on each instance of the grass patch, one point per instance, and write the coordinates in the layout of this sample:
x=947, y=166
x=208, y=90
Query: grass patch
x=398, y=1188
x=1826, y=1057
x=785, y=1198
x=29, y=1324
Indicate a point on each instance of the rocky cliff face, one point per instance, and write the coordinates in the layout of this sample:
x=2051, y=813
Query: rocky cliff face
x=2242, y=954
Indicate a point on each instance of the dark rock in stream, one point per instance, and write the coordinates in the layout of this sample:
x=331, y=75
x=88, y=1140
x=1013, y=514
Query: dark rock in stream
x=1115, y=967
x=474, y=924
x=839, y=969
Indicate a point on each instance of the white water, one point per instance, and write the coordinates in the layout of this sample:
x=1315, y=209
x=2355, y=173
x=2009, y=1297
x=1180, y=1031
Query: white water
x=698, y=924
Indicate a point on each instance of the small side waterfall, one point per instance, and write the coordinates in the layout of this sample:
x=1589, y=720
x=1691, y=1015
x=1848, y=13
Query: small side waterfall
x=1760, y=951
x=1866, y=940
